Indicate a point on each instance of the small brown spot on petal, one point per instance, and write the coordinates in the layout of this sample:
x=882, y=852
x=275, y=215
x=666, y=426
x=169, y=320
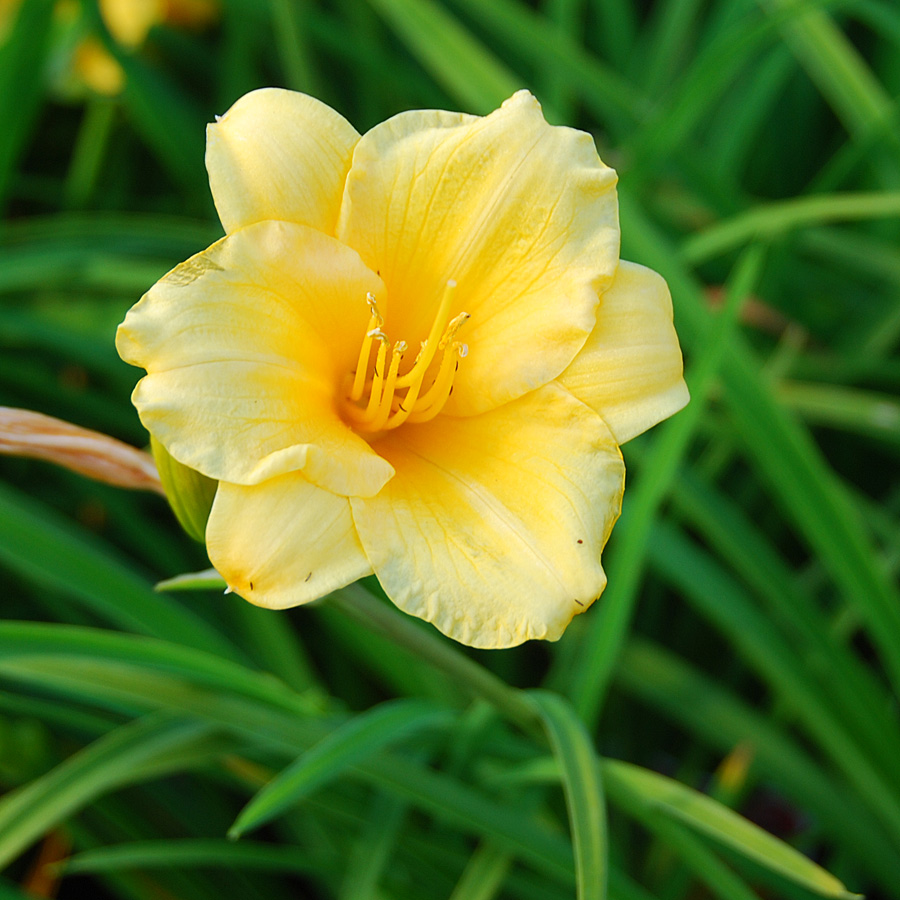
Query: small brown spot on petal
x=579, y=603
x=307, y=578
x=579, y=541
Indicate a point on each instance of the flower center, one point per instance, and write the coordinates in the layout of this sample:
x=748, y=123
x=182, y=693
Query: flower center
x=382, y=398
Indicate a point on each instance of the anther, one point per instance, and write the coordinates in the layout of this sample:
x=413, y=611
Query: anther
x=394, y=398
x=373, y=329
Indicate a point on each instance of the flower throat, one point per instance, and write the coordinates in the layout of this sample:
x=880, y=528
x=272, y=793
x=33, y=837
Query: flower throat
x=380, y=398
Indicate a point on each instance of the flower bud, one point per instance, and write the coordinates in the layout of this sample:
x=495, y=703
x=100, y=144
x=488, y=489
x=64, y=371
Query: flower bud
x=190, y=494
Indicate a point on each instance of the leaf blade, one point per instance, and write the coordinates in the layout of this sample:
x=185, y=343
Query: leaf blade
x=580, y=773
x=346, y=746
x=710, y=818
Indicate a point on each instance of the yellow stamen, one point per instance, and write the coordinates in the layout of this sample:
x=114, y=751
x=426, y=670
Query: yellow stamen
x=374, y=327
x=432, y=402
x=407, y=405
x=385, y=408
x=387, y=396
x=363, y=416
x=448, y=368
x=429, y=348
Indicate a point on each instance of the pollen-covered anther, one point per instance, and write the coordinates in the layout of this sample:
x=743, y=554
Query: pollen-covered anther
x=381, y=398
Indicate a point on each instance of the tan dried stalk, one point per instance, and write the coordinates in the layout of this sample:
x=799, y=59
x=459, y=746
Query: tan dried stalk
x=32, y=434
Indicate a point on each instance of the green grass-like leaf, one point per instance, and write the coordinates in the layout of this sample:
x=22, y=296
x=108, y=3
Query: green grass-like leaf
x=363, y=736
x=671, y=798
x=580, y=775
x=111, y=762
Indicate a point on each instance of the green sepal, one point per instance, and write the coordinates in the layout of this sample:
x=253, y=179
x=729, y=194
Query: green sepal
x=190, y=494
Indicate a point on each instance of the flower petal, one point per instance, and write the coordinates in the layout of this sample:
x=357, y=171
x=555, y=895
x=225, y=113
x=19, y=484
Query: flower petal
x=283, y=542
x=521, y=215
x=493, y=525
x=129, y=23
x=630, y=369
x=246, y=345
x=277, y=154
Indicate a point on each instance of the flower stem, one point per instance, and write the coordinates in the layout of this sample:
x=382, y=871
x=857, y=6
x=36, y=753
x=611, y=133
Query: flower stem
x=362, y=606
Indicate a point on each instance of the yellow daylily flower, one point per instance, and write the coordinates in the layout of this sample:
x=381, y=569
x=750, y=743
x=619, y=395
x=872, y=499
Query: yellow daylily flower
x=129, y=22
x=415, y=354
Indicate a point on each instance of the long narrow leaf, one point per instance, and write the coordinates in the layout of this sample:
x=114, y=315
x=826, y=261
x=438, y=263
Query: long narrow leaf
x=252, y=706
x=607, y=629
x=716, y=596
x=190, y=854
x=580, y=774
x=364, y=735
x=484, y=875
x=110, y=762
x=775, y=219
x=466, y=68
x=23, y=55
x=843, y=76
x=803, y=483
x=44, y=547
x=668, y=797
x=716, y=717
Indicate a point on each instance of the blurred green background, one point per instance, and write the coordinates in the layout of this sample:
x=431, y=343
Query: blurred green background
x=748, y=644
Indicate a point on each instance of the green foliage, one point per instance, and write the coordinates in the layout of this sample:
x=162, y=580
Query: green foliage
x=745, y=658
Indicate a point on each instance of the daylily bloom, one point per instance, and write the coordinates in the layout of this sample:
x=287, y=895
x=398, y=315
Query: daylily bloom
x=415, y=354
x=129, y=22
